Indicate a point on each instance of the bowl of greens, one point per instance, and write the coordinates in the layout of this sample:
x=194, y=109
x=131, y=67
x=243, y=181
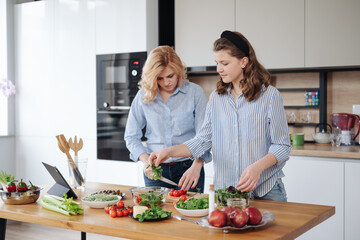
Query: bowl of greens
x=147, y=196
x=222, y=195
x=193, y=207
x=100, y=200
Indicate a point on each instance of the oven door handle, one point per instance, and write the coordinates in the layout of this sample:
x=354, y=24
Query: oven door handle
x=113, y=111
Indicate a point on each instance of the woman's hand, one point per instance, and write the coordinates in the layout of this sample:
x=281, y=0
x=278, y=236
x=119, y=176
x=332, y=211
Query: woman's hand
x=249, y=178
x=147, y=170
x=191, y=177
x=159, y=156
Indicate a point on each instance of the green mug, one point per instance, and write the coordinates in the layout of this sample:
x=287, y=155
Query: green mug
x=298, y=139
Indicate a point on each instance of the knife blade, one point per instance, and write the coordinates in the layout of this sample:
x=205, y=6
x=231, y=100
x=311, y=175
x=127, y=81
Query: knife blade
x=168, y=181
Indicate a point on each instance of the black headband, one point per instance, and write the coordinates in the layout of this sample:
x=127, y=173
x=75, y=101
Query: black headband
x=237, y=41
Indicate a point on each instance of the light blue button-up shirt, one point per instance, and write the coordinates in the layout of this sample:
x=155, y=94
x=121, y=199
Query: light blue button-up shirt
x=166, y=124
x=241, y=134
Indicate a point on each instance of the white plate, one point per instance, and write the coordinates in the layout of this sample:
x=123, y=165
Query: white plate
x=193, y=213
x=103, y=204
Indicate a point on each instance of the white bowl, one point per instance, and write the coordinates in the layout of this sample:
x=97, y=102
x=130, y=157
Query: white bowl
x=193, y=213
x=101, y=204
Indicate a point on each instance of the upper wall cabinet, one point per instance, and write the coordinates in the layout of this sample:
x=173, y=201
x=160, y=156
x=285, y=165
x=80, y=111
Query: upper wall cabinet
x=197, y=25
x=332, y=33
x=126, y=26
x=275, y=29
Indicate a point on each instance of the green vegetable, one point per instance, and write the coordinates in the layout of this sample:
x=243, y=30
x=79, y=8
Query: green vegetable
x=222, y=195
x=151, y=198
x=61, y=205
x=157, y=171
x=194, y=203
x=100, y=197
x=5, y=178
x=154, y=213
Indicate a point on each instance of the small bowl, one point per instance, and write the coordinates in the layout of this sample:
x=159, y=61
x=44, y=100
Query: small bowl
x=193, y=213
x=140, y=195
x=17, y=198
x=101, y=204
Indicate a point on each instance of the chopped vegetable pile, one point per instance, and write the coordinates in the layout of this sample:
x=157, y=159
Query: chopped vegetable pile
x=154, y=213
x=61, y=205
x=100, y=197
x=194, y=203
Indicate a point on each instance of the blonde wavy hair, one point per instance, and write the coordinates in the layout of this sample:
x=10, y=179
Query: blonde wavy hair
x=158, y=59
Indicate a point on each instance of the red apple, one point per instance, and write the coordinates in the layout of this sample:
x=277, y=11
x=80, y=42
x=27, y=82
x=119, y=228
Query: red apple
x=254, y=215
x=228, y=211
x=217, y=218
x=239, y=218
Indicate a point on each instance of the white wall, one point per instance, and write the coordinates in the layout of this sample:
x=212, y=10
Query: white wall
x=55, y=69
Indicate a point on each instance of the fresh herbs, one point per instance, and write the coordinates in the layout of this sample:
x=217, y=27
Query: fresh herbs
x=157, y=171
x=154, y=213
x=5, y=179
x=222, y=195
x=194, y=203
x=151, y=198
x=100, y=197
x=61, y=205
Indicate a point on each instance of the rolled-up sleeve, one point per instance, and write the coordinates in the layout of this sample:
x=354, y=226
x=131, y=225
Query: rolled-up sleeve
x=133, y=132
x=279, y=131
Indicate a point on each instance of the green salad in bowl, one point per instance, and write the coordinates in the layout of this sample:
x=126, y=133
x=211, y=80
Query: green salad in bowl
x=147, y=196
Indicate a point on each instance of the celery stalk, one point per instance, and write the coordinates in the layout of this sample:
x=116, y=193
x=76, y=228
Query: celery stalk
x=62, y=205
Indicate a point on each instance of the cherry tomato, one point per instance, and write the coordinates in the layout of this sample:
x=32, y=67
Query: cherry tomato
x=183, y=198
x=120, y=204
x=185, y=191
x=138, y=199
x=131, y=210
x=119, y=213
x=176, y=193
x=112, y=213
x=112, y=208
x=107, y=210
x=171, y=193
x=181, y=192
x=125, y=212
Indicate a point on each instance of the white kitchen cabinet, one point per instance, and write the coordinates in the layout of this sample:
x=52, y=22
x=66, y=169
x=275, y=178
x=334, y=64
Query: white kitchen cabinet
x=126, y=26
x=275, y=29
x=318, y=181
x=352, y=196
x=197, y=25
x=332, y=33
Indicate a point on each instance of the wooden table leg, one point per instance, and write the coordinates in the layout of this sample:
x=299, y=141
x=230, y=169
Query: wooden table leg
x=2, y=228
x=83, y=236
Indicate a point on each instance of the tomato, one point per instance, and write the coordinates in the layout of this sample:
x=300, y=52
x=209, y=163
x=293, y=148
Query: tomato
x=181, y=192
x=119, y=213
x=138, y=199
x=125, y=212
x=107, y=210
x=112, y=213
x=176, y=193
x=183, y=198
x=131, y=210
x=185, y=191
x=120, y=204
x=171, y=193
x=112, y=208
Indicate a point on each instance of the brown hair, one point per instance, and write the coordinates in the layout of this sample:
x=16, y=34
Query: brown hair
x=255, y=75
x=158, y=59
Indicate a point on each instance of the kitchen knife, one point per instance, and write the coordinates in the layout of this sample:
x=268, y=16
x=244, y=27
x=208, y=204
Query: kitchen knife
x=168, y=181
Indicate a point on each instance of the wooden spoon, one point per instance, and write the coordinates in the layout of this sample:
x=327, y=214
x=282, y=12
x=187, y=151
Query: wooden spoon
x=76, y=147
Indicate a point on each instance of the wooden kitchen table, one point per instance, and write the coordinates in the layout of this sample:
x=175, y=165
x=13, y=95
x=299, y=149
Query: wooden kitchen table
x=291, y=220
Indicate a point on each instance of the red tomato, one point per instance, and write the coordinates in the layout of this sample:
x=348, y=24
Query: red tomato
x=185, y=191
x=131, y=210
x=120, y=204
x=138, y=199
x=112, y=213
x=125, y=212
x=176, y=193
x=171, y=194
x=119, y=213
x=181, y=192
x=112, y=208
x=183, y=198
x=107, y=209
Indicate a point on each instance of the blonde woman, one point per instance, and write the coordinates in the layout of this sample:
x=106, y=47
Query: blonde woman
x=172, y=110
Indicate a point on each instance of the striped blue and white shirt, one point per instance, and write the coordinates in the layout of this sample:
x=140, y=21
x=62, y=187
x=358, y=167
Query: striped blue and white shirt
x=241, y=134
x=166, y=124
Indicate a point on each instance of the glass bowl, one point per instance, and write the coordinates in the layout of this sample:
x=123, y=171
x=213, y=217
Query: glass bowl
x=17, y=198
x=147, y=196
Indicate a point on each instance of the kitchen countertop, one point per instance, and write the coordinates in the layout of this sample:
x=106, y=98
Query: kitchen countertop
x=326, y=150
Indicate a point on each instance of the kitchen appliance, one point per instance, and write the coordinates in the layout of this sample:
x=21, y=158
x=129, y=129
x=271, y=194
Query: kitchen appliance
x=346, y=122
x=322, y=137
x=117, y=77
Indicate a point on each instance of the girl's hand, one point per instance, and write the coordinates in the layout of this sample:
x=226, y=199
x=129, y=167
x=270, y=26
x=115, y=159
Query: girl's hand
x=159, y=157
x=249, y=178
x=147, y=171
x=191, y=177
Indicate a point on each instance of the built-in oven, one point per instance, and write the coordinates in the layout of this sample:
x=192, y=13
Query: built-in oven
x=117, y=77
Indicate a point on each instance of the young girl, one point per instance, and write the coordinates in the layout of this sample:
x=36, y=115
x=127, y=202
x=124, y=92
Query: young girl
x=245, y=124
x=172, y=110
